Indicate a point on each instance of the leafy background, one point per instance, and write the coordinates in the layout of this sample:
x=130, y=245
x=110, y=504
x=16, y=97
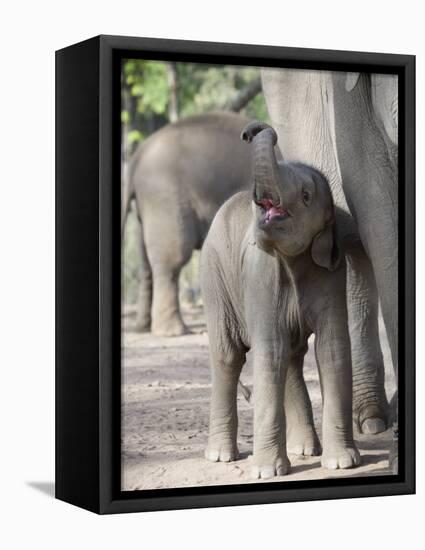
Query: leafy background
x=155, y=93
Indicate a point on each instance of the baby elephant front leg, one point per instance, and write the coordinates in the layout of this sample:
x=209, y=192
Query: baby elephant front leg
x=270, y=458
x=222, y=445
x=333, y=356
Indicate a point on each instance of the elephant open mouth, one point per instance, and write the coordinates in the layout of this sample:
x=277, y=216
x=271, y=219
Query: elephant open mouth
x=272, y=212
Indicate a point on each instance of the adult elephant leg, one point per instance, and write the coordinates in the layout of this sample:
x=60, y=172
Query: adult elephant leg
x=144, y=304
x=166, y=316
x=386, y=272
x=301, y=437
x=370, y=406
x=369, y=179
x=169, y=245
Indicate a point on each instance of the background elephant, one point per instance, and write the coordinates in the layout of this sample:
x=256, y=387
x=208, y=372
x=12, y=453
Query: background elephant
x=345, y=125
x=180, y=176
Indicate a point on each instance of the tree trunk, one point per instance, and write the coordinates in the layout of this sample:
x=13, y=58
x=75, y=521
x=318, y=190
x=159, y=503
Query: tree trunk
x=173, y=82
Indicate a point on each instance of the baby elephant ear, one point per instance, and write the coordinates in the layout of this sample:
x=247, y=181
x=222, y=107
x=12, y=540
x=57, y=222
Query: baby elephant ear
x=324, y=250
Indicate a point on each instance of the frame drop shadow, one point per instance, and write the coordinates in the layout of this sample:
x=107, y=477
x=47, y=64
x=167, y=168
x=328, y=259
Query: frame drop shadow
x=46, y=487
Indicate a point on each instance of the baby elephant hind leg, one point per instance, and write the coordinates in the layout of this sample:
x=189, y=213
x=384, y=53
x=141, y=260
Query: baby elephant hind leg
x=301, y=435
x=227, y=360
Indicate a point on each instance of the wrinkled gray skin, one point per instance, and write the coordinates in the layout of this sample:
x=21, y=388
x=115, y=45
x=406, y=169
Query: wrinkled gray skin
x=268, y=284
x=345, y=125
x=180, y=176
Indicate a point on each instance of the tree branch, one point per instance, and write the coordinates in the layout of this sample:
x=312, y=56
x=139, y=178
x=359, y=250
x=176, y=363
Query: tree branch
x=244, y=96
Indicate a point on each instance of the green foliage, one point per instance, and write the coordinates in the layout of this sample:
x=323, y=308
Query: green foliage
x=134, y=136
x=200, y=88
x=147, y=81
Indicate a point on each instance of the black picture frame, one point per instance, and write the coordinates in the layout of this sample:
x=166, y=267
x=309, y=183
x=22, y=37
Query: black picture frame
x=88, y=361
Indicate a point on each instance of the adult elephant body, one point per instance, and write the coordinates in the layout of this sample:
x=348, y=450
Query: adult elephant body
x=180, y=177
x=345, y=125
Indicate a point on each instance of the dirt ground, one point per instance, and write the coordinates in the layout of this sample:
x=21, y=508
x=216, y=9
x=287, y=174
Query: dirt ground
x=165, y=409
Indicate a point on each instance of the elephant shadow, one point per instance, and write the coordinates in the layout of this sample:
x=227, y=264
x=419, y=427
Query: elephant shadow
x=299, y=468
x=374, y=460
x=368, y=466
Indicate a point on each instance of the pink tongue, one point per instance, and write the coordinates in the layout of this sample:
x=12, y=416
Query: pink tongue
x=274, y=211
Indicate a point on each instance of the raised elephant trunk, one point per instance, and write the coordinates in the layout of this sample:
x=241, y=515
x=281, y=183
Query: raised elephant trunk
x=265, y=168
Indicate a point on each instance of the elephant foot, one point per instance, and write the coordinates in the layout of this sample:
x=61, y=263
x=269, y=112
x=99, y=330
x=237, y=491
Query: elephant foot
x=171, y=327
x=373, y=426
x=303, y=442
x=268, y=467
x=142, y=326
x=340, y=458
x=372, y=420
x=224, y=451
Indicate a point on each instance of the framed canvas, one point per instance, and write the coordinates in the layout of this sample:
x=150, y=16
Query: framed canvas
x=277, y=363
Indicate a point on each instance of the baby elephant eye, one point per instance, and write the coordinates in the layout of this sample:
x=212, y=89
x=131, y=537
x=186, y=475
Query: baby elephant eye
x=306, y=198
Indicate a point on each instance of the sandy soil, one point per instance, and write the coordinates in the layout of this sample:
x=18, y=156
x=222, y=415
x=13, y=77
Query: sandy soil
x=165, y=389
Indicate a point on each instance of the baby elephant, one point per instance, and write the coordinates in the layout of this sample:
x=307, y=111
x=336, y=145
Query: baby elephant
x=272, y=274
